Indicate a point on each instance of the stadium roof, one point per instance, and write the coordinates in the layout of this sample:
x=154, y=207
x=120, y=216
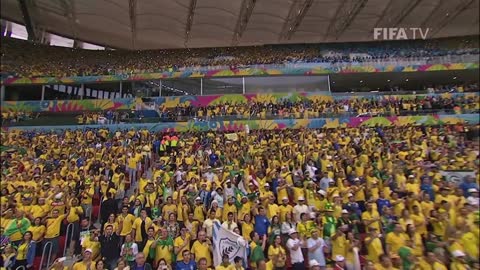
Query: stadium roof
x=157, y=24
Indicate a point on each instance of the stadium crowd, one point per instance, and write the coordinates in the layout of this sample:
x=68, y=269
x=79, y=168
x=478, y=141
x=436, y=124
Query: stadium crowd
x=24, y=59
x=299, y=198
x=321, y=108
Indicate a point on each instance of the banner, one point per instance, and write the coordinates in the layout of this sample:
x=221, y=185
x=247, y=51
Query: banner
x=457, y=177
x=227, y=242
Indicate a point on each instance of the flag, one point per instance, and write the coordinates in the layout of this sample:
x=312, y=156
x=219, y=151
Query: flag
x=457, y=176
x=227, y=242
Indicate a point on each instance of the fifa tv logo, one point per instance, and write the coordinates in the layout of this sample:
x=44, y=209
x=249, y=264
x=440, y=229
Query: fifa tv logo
x=400, y=33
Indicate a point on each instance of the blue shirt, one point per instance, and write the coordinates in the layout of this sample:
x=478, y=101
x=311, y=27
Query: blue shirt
x=466, y=186
x=191, y=265
x=381, y=203
x=261, y=225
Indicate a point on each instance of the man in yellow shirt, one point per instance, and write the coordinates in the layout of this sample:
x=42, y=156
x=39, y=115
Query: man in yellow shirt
x=127, y=220
x=374, y=245
x=53, y=225
x=202, y=248
x=86, y=263
x=181, y=243
x=396, y=239
x=140, y=228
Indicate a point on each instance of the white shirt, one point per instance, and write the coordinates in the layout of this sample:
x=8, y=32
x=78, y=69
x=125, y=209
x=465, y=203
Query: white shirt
x=473, y=200
x=295, y=255
x=208, y=226
x=299, y=209
x=134, y=248
x=233, y=225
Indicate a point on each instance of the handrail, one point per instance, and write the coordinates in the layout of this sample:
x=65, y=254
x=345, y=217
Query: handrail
x=100, y=212
x=47, y=244
x=21, y=267
x=68, y=237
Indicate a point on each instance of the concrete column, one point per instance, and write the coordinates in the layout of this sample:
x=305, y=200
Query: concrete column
x=121, y=86
x=2, y=93
x=243, y=85
x=201, y=86
x=82, y=91
x=160, y=90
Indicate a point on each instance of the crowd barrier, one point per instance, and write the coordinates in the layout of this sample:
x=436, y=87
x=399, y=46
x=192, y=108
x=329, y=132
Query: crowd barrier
x=257, y=70
x=239, y=125
x=196, y=101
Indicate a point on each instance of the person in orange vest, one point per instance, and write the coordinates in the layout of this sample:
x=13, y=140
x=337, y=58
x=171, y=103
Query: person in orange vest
x=174, y=142
x=168, y=148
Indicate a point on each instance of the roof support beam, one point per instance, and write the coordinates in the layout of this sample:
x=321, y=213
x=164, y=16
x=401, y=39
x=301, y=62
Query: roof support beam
x=191, y=13
x=383, y=14
x=430, y=16
x=331, y=24
x=345, y=17
x=132, y=11
x=29, y=24
x=464, y=4
x=295, y=16
x=404, y=13
x=69, y=8
x=243, y=18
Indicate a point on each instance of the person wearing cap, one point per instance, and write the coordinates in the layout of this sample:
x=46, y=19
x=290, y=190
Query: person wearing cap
x=294, y=245
x=339, y=263
x=86, y=263
x=316, y=248
x=300, y=208
x=473, y=197
x=459, y=261
x=314, y=265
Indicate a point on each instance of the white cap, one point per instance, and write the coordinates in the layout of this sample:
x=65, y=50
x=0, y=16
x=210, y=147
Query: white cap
x=471, y=190
x=313, y=263
x=283, y=167
x=344, y=211
x=356, y=179
x=301, y=198
x=458, y=253
x=198, y=199
x=228, y=181
x=59, y=196
x=339, y=258
x=292, y=231
x=88, y=250
x=350, y=195
x=312, y=215
x=266, y=185
x=335, y=195
x=285, y=199
x=331, y=181
x=322, y=192
x=411, y=176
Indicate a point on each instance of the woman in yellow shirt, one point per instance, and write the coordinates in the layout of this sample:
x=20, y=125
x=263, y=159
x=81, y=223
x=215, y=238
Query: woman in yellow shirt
x=111, y=221
x=25, y=251
x=277, y=254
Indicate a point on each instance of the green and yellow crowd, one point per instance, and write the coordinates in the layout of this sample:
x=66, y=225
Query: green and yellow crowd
x=345, y=198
